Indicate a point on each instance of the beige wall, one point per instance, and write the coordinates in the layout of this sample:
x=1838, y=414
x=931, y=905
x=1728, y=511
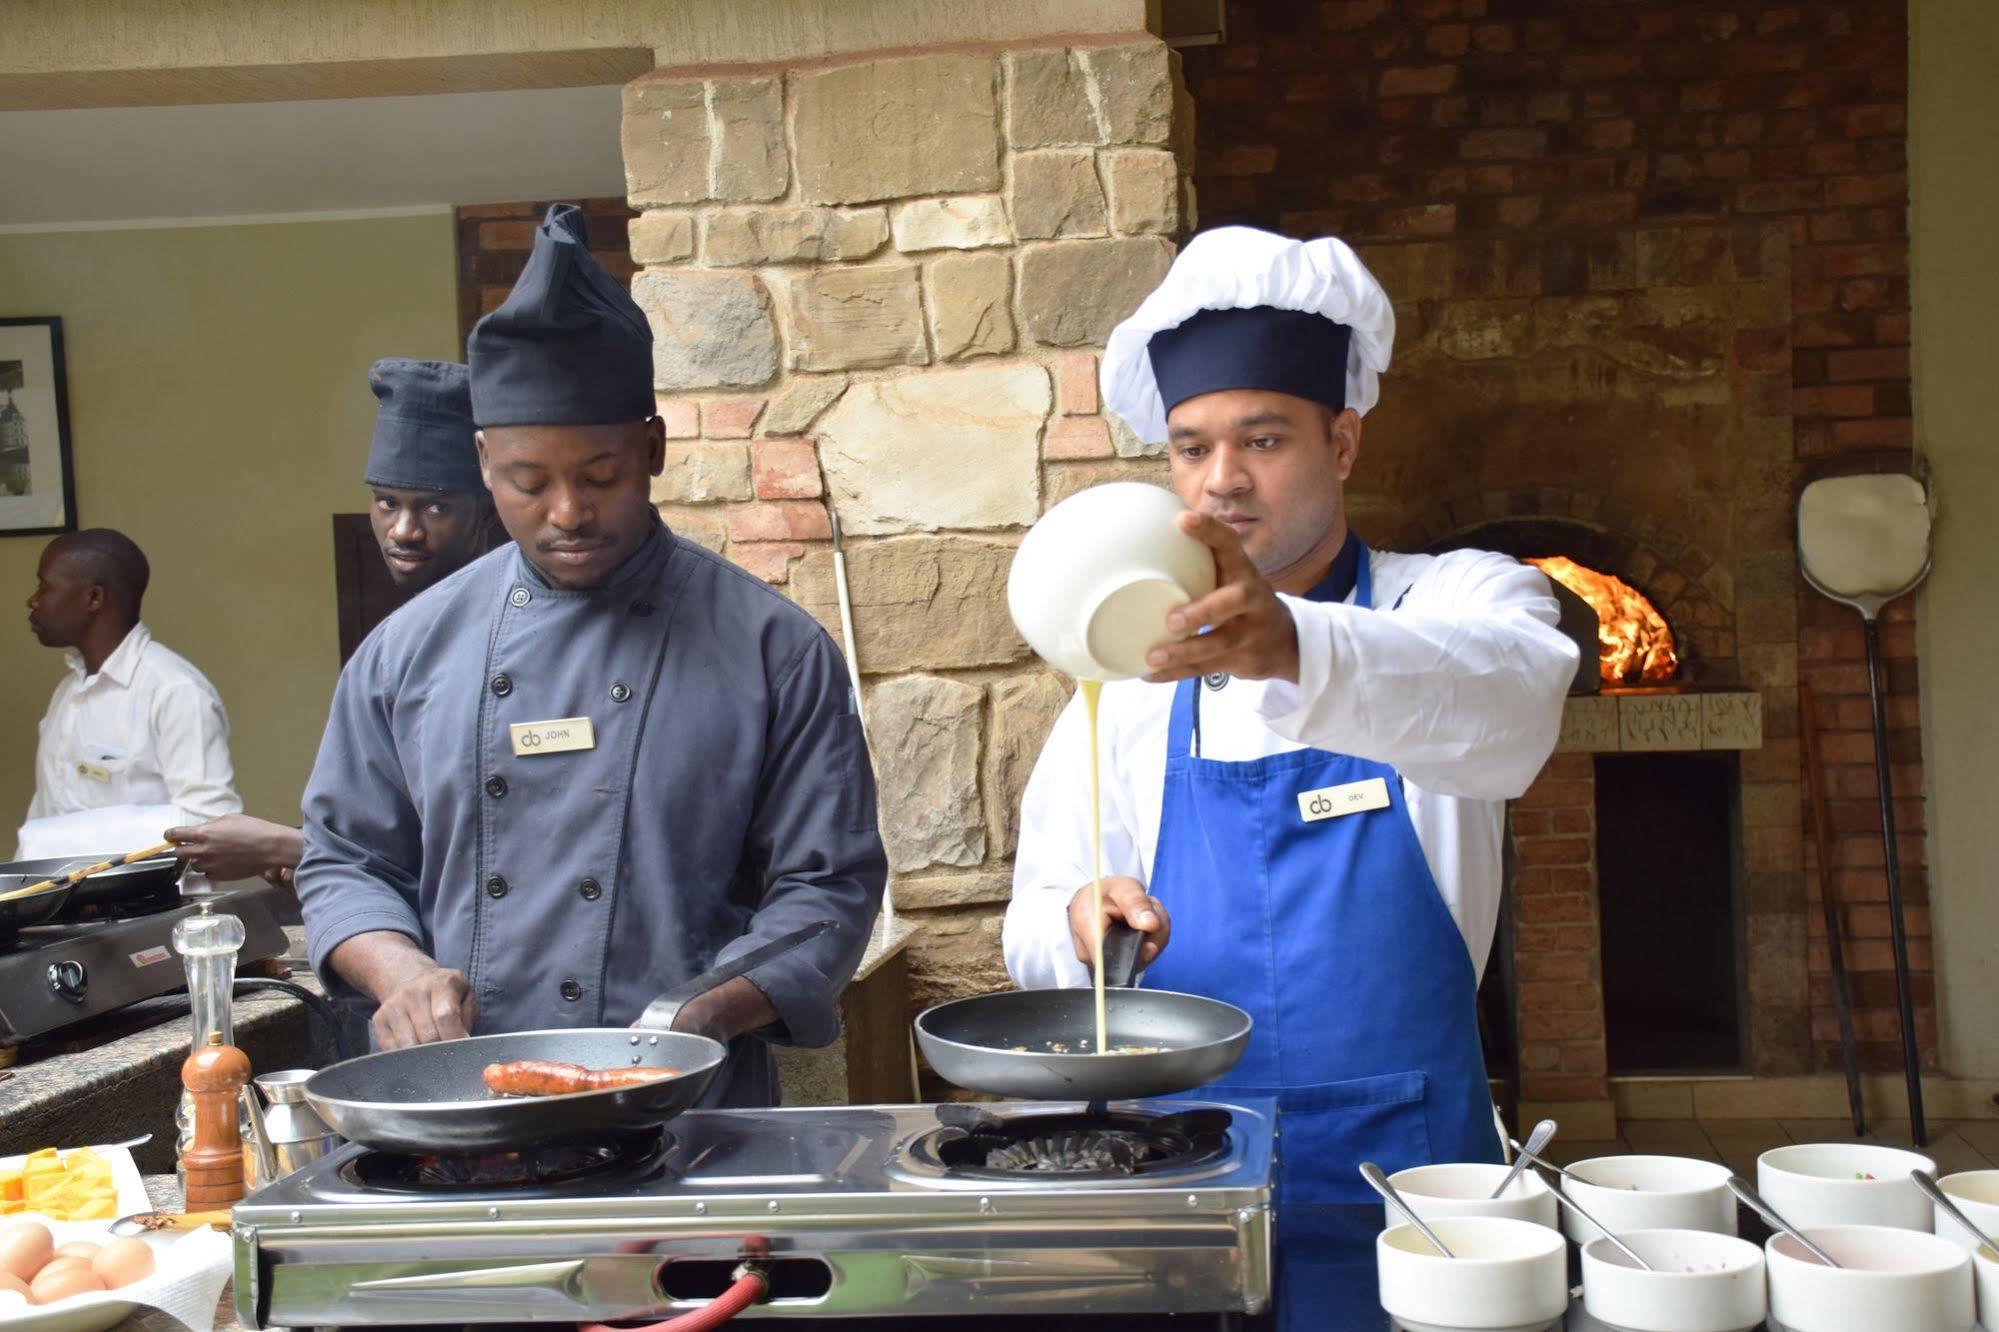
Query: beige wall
x=1954, y=195
x=219, y=412
x=123, y=52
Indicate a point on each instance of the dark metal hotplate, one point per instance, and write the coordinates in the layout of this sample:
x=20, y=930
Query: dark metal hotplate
x=536, y=1168
x=1106, y=1144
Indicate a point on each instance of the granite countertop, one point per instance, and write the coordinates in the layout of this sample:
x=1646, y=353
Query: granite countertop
x=885, y=944
x=118, y=1076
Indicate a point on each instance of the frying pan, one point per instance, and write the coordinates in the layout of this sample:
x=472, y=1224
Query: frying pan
x=430, y=1098
x=155, y=880
x=24, y=911
x=1031, y=1043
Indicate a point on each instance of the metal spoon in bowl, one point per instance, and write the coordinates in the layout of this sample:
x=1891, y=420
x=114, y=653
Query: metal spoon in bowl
x=1536, y=1142
x=1377, y=1181
x=1932, y=1190
x=1740, y=1188
x=1545, y=1164
x=1624, y=1248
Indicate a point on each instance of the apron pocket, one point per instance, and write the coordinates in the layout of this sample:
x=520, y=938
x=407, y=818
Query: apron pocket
x=1329, y=1128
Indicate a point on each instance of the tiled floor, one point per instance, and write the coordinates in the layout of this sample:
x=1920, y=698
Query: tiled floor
x=1954, y=1144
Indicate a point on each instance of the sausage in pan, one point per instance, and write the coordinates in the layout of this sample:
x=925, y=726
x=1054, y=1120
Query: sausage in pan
x=548, y=1077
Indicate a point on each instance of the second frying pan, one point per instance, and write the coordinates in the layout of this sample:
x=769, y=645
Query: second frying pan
x=1035, y=1043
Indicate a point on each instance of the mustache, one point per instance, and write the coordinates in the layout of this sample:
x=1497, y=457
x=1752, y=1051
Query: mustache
x=572, y=543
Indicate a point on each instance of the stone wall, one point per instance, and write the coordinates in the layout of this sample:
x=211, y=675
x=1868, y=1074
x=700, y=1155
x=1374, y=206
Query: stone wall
x=878, y=289
x=1544, y=188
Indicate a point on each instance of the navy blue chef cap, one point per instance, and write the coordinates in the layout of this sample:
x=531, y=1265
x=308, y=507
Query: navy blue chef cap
x=1298, y=352
x=568, y=346
x=423, y=428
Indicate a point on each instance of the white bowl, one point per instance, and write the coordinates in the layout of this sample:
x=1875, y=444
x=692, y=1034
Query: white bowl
x=1093, y=579
x=1985, y=1283
x=1465, y=1189
x=1845, y=1184
x=1976, y=1193
x=1507, y=1275
x=1704, y=1283
x=1649, y=1193
x=1890, y=1279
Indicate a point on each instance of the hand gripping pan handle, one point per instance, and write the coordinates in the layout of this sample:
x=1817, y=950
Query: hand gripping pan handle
x=1121, y=947
x=659, y=1014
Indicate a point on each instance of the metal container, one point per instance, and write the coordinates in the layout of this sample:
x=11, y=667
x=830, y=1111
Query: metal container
x=292, y=1130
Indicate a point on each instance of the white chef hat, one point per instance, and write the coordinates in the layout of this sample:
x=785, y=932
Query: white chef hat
x=1228, y=316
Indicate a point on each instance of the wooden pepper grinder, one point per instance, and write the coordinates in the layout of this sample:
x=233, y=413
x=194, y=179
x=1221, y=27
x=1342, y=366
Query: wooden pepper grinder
x=212, y=1165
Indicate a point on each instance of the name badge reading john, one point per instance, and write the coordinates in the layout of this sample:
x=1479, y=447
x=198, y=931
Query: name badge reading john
x=552, y=737
x=1329, y=802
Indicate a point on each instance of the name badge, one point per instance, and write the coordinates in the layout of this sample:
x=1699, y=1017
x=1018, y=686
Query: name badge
x=1329, y=802
x=552, y=737
x=96, y=772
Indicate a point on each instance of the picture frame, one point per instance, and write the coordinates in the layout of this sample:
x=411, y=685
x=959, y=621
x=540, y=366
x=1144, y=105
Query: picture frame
x=37, y=482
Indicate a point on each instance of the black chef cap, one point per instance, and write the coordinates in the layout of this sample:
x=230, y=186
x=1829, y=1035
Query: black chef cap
x=568, y=346
x=1256, y=347
x=423, y=428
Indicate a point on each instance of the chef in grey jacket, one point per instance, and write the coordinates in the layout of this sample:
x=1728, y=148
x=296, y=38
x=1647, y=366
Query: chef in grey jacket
x=593, y=763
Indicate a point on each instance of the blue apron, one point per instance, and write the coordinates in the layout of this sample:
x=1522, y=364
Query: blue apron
x=1332, y=936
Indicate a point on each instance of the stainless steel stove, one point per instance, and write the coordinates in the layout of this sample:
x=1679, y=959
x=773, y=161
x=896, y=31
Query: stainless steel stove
x=71, y=969
x=1151, y=1208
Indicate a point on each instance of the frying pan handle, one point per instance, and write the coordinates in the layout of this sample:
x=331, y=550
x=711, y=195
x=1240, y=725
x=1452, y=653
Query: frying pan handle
x=659, y=1014
x=1121, y=947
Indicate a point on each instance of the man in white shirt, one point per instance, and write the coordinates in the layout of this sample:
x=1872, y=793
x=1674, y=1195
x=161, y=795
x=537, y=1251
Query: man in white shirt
x=135, y=737
x=1307, y=823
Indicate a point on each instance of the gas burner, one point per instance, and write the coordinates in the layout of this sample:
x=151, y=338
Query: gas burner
x=536, y=1168
x=1109, y=1144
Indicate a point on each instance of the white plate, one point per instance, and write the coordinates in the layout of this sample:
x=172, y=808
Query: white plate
x=125, y=1178
x=177, y=1258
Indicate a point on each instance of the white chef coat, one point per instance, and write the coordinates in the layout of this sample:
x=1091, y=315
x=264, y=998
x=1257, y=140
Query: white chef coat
x=1456, y=679
x=148, y=730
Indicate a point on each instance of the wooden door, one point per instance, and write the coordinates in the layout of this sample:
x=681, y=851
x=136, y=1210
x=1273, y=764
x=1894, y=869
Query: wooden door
x=364, y=591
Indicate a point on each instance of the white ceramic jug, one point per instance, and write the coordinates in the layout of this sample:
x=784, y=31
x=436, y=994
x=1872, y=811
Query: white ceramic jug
x=1093, y=579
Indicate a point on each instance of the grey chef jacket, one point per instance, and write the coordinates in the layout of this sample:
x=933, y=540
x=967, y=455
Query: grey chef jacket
x=728, y=798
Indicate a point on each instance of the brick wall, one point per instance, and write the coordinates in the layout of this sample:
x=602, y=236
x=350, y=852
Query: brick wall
x=1534, y=138
x=1559, y=967
x=494, y=240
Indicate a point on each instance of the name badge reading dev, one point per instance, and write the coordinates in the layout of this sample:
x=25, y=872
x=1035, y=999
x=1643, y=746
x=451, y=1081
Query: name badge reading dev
x=1329, y=802
x=552, y=737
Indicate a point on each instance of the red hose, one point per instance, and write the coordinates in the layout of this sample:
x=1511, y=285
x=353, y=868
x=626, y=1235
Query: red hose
x=749, y=1287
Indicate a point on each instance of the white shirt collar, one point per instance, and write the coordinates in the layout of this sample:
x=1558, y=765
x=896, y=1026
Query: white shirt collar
x=121, y=664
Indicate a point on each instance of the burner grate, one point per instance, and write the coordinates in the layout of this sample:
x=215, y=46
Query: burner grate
x=977, y=1144
x=540, y=1167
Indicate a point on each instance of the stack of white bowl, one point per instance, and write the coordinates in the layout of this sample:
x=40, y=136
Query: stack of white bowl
x=1854, y=1200
x=1976, y=1193
x=1677, y=1213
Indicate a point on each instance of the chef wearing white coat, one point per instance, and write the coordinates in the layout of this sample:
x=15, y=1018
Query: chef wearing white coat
x=1304, y=805
x=135, y=737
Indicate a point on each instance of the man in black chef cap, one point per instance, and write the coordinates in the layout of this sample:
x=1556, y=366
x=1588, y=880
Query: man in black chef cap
x=431, y=515
x=596, y=762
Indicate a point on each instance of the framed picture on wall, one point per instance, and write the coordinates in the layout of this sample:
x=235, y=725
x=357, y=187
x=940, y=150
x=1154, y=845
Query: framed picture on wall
x=37, y=490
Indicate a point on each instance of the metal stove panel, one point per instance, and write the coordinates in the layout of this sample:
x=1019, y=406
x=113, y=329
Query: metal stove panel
x=107, y=964
x=314, y=1249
